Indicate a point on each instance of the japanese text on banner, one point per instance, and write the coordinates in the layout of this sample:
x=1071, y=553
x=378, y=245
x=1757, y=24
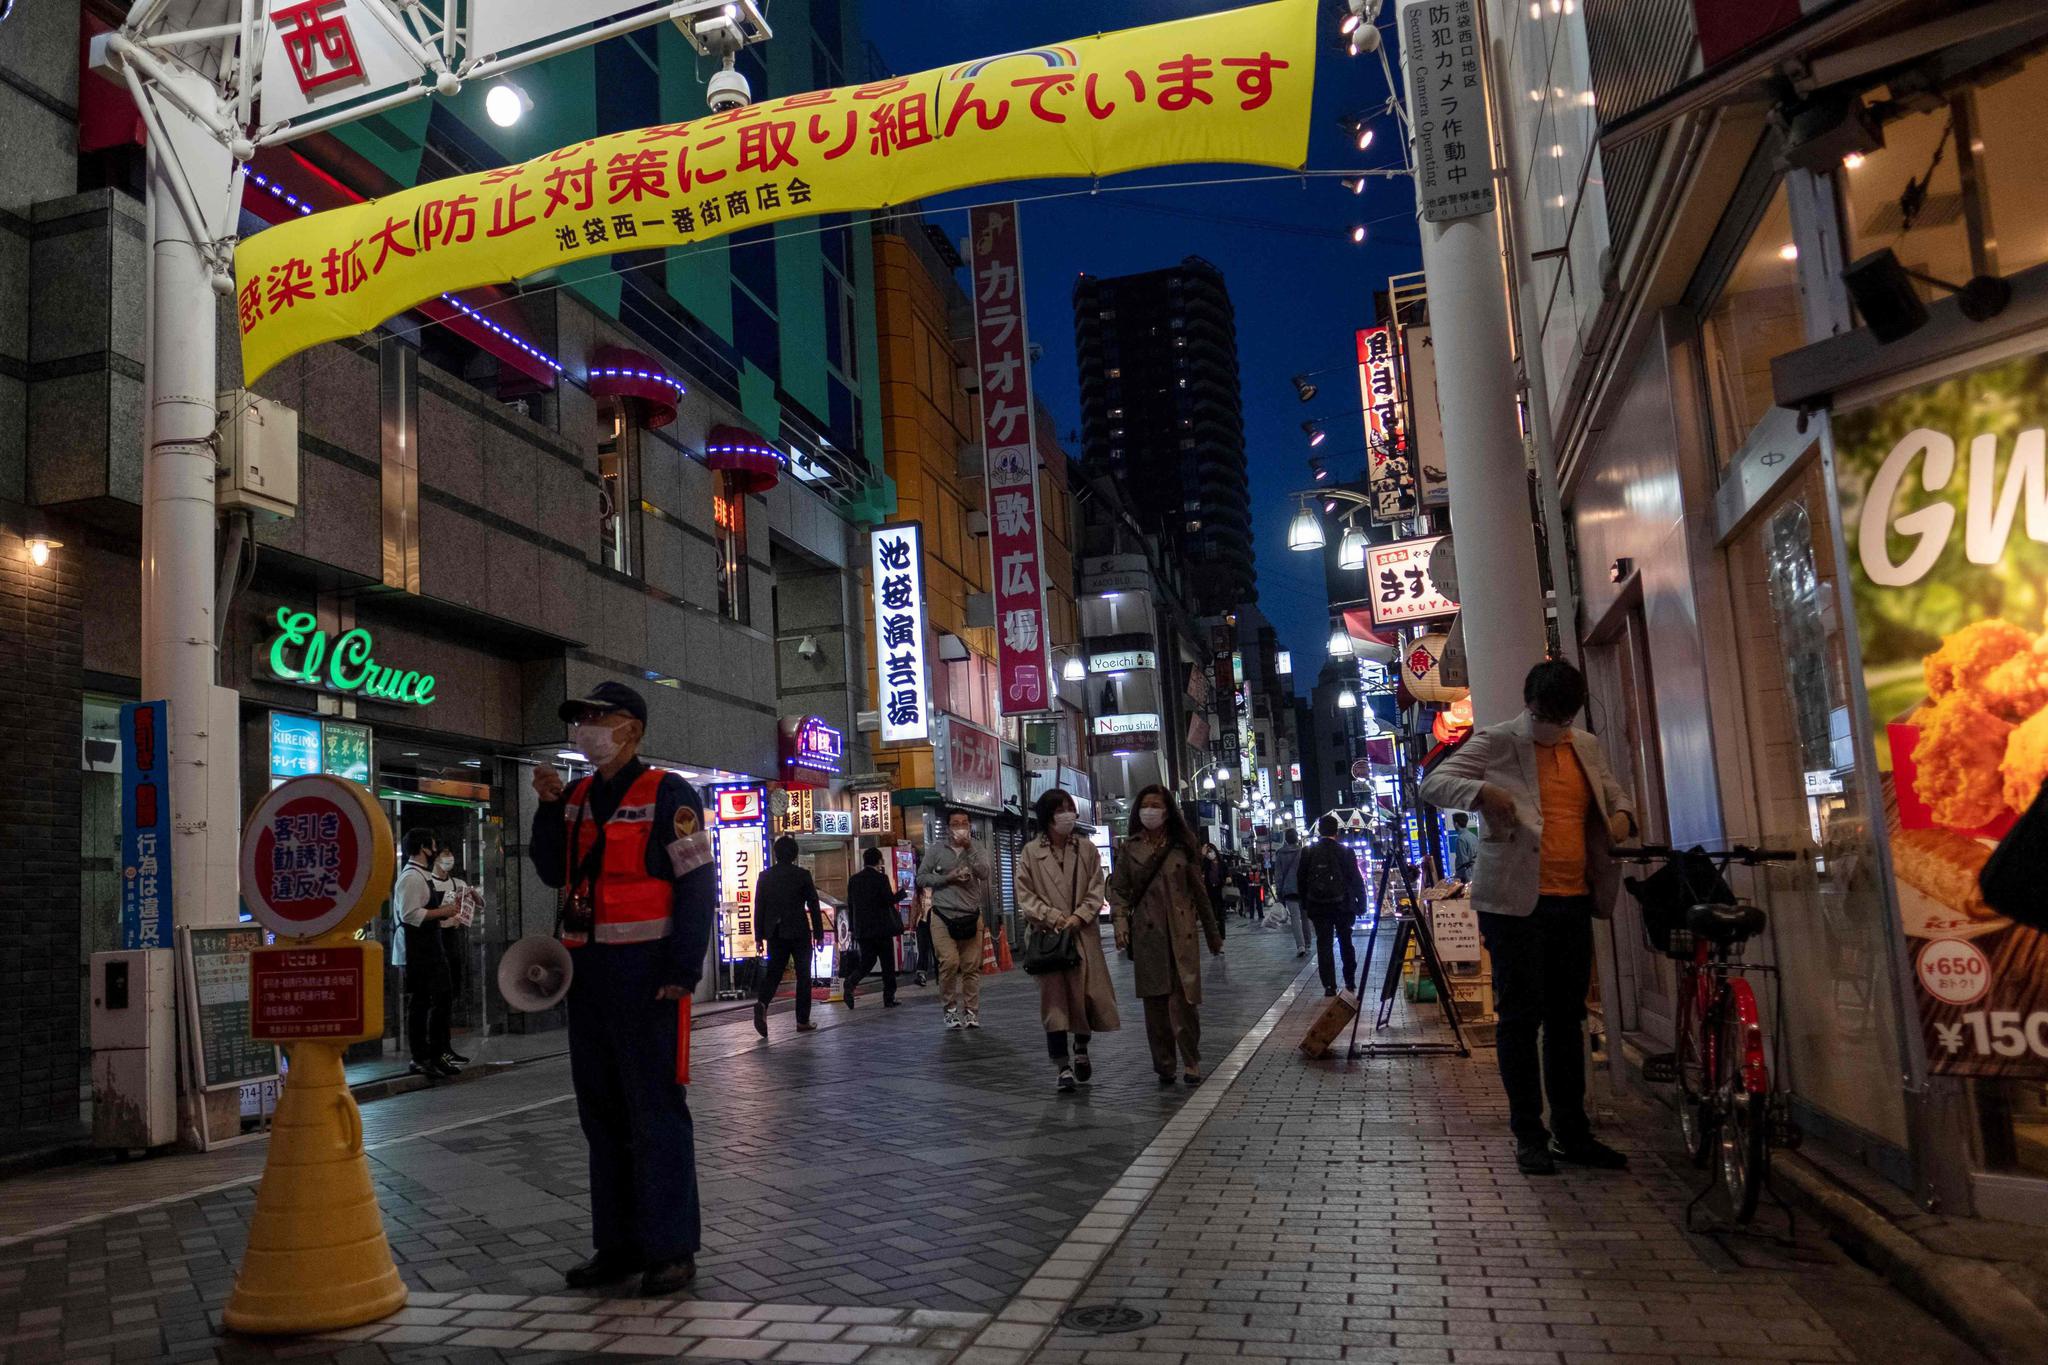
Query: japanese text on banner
x=1230, y=87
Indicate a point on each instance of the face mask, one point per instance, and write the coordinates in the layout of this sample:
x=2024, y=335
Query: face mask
x=444, y=865
x=961, y=836
x=595, y=742
x=1151, y=817
x=1064, y=822
x=1547, y=731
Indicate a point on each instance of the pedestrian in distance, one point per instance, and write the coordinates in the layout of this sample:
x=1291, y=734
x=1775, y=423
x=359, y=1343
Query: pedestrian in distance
x=1215, y=876
x=1464, y=846
x=956, y=872
x=1287, y=882
x=629, y=849
x=1059, y=889
x=1333, y=893
x=421, y=908
x=1550, y=814
x=448, y=880
x=1162, y=916
x=788, y=924
x=872, y=903
x=921, y=926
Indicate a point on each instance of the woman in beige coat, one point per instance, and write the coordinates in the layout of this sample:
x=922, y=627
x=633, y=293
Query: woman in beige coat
x=1162, y=905
x=1059, y=887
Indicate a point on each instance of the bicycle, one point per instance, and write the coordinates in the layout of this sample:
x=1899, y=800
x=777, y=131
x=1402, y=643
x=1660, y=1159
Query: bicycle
x=1727, y=1104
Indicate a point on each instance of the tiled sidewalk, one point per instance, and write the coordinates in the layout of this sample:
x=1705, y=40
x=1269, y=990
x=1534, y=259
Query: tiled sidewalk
x=881, y=1165
x=1371, y=1211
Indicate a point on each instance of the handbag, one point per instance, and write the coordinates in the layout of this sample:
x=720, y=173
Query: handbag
x=1054, y=950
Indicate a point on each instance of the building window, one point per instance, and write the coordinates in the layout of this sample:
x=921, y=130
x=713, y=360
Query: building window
x=618, y=498
x=1754, y=317
x=729, y=520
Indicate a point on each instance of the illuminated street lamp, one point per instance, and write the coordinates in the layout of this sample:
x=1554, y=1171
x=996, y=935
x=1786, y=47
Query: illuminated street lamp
x=1347, y=700
x=1351, y=550
x=1305, y=532
x=1340, y=644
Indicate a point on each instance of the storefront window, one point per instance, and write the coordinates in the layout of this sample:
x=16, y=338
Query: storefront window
x=1954, y=191
x=1840, y=1042
x=1754, y=318
x=729, y=516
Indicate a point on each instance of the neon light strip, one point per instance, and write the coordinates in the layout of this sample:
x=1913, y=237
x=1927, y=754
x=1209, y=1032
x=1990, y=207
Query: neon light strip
x=617, y=372
x=281, y=194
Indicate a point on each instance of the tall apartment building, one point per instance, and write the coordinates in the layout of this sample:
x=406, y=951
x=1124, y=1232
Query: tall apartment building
x=1160, y=411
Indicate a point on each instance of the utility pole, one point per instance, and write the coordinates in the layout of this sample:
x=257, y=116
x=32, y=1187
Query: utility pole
x=1501, y=596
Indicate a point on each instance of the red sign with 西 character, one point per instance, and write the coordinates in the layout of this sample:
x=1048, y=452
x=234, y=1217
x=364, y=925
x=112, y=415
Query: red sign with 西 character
x=332, y=994
x=1009, y=434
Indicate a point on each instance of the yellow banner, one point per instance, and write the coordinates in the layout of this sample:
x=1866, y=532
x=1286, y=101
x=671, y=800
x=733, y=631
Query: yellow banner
x=1230, y=87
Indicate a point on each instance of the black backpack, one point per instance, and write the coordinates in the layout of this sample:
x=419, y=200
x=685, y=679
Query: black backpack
x=1322, y=880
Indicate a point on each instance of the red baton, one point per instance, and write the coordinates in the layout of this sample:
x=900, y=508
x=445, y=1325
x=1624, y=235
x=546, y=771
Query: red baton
x=683, y=1041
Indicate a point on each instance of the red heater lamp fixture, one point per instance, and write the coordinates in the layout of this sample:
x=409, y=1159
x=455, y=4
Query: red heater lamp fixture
x=616, y=372
x=756, y=465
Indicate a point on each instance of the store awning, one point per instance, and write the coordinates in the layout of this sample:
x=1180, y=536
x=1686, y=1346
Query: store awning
x=619, y=372
x=740, y=452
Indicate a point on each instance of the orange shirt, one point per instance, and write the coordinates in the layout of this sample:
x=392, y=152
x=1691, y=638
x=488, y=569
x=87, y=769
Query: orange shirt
x=1561, y=787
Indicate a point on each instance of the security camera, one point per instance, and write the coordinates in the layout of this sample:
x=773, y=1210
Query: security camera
x=807, y=648
x=728, y=90
x=1367, y=39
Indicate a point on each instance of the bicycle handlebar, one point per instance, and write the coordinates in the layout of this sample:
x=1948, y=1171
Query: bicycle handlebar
x=1735, y=853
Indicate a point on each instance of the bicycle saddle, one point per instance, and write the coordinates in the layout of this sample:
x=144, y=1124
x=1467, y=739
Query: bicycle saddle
x=1726, y=923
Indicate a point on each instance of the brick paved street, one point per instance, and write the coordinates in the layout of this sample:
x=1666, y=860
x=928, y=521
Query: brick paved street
x=885, y=1192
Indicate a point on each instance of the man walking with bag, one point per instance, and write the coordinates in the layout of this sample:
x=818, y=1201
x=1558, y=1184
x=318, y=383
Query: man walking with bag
x=871, y=904
x=788, y=924
x=1550, y=811
x=1287, y=883
x=956, y=872
x=1333, y=892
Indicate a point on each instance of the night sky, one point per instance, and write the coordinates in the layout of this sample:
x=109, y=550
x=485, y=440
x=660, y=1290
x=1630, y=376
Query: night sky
x=1299, y=285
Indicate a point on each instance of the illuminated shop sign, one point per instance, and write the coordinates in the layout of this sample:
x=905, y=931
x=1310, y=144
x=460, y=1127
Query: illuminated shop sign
x=300, y=653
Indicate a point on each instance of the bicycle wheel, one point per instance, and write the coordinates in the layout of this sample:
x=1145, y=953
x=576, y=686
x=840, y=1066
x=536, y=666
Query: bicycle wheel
x=1695, y=1075
x=1745, y=1125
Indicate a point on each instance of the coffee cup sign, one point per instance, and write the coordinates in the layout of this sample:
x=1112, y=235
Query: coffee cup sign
x=316, y=857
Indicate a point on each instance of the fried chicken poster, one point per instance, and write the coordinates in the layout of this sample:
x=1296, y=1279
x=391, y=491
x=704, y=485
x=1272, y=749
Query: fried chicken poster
x=1944, y=494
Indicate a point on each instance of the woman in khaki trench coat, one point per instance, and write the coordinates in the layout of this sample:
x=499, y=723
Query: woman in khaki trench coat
x=1161, y=904
x=1059, y=886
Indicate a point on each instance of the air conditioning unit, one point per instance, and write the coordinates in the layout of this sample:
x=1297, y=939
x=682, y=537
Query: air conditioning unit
x=972, y=461
x=981, y=611
x=977, y=523
x=259, y=454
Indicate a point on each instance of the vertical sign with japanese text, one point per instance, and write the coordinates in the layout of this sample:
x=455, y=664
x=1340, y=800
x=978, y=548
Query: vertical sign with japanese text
x=1009, y=438
x=1390, y=479
x=145, y=825
x=1447, y=109
x=903, y=690
x=1425, y=417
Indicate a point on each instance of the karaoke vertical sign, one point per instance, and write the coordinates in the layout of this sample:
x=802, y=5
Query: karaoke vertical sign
x=1009, y=441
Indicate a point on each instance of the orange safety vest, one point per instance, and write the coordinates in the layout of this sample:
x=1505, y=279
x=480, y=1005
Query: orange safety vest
x=632, y=907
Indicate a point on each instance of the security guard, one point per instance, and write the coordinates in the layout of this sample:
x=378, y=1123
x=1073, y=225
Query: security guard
x=629, y=850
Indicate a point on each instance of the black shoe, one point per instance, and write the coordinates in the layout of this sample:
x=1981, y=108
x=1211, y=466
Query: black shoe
x=1329, y=991
x=1590, y=1152
x=1191, y=1079
x=601, y=1270
x=890, y=1004
x=848, y=998
x=760, y=1019
x=667, y=1277
x=451, y=1055
x=433, y=1071
x=1533, y=1158
x=1167, y=1078
x=918, y=980
x=1066, y=1080
x=1083, y=1068
x=807, y=1027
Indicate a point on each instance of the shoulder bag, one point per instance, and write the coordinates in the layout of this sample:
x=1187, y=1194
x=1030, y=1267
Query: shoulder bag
x=1054, y=950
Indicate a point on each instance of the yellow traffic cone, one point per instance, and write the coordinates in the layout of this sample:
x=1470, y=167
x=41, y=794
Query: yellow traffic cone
x=317, y=1258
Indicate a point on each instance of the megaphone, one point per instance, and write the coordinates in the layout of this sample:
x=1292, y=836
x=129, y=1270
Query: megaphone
x=534, y=974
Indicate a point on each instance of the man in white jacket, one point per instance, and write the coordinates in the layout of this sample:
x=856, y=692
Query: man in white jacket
x=1550, y=812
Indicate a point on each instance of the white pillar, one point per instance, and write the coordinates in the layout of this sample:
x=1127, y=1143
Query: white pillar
x=178, y=518
x=1501, y=597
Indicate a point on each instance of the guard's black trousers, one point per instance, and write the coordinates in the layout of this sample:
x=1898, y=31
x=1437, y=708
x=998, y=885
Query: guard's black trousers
x=622, y=1059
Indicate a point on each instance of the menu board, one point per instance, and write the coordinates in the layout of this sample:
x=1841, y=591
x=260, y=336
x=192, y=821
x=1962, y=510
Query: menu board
x=217, y=968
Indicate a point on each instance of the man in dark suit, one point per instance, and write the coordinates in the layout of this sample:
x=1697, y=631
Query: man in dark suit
x=876, y=926
x=788, y=923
